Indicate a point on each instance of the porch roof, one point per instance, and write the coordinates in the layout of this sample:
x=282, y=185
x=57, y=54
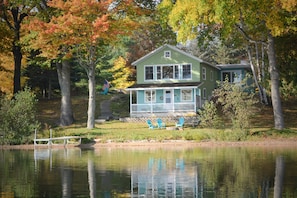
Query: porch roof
x=165, y=86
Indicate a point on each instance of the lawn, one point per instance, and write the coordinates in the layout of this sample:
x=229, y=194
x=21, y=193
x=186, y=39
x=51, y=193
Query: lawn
x=116, y=131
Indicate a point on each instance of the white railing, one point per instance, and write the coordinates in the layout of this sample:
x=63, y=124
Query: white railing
x=162, y=108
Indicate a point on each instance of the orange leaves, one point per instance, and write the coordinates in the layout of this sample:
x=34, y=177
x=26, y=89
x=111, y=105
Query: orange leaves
x=82, y=22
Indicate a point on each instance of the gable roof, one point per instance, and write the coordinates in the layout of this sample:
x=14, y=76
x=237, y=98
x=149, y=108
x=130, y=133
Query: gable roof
x=172, y=48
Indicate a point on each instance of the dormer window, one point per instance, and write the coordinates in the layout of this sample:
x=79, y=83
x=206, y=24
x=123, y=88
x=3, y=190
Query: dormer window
x=167, y=54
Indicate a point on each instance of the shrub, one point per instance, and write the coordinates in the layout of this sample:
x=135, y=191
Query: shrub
x=208, y=115
x=236, y=102
x=18, y=119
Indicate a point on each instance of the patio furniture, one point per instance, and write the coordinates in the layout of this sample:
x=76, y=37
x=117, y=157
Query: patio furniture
x=150, y=124
x=161, y=124
x=180, y=122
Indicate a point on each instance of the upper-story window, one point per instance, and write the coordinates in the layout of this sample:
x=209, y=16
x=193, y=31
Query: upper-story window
x=203, y=73
x=167, y=72
x=232, y=76
x=149, y=73
x=186, y=71
x=160, y=72
x=167, y=54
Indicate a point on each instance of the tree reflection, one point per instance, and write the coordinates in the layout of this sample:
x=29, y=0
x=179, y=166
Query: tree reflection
x=279, y=177
x=92, y=178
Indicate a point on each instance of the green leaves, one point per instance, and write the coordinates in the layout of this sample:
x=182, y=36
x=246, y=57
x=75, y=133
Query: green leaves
x=18, y=119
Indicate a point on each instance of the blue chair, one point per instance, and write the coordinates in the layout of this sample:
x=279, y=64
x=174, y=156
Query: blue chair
x=180, y=122
x=161, y=124
x=150, y=124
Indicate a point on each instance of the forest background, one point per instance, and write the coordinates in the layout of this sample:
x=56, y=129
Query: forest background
x=62, y=48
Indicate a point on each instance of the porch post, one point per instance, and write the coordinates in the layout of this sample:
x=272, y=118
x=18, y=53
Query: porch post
x=172, y=96
x=151, y=101
x=195, y=96
x=130, y=102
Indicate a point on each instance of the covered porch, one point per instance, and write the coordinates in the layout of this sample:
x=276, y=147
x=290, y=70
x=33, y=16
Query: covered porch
x=164, y=99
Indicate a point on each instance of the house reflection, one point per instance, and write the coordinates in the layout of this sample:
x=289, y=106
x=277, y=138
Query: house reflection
x=164, y=178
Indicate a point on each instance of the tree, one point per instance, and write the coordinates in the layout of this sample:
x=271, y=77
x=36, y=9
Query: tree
x=121, y=74
x=257, y=21
x=13, y=13
x=80, y=26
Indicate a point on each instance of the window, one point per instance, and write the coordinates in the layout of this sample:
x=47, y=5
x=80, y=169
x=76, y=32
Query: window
x=203, y=73
x=149, y=73
x=160, y=72
x=211, y=75
x=150, y=96
x=176, y=72
x=231, y=76
x=167, y=54
x=186, y=71
x=204, y=93
x=186, y=95
x=167, y=72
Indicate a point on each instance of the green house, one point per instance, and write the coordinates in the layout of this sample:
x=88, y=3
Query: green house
x=171, y=82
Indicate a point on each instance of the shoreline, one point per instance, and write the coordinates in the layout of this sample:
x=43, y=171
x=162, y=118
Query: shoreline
x=163, y=144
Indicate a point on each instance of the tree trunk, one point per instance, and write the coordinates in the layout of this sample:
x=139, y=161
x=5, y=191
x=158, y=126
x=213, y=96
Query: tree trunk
x=275, y=94
x=66, y=116
x=92, y=97
x=17, y=54
x=16, y=48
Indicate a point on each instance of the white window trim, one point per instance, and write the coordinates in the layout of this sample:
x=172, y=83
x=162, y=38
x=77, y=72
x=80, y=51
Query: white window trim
x=152, y=95
x=203, y=73
x=180, y=72
x=181, y=76
x=231, y=73
x=167, y=54
x=144, y=75
x=204, y=93
x=181, y=95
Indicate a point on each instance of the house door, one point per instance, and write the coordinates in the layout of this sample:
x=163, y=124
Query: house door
x=168, y=96
x=168, y=100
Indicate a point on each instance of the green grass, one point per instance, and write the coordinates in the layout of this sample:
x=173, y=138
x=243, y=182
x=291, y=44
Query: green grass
x=116, y=131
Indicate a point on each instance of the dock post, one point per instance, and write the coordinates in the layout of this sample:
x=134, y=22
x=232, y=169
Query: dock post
x=35, y=136
x=50, y=139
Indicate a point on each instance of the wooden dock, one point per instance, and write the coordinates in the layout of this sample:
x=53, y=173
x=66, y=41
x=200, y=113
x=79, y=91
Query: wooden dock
x=50, y=140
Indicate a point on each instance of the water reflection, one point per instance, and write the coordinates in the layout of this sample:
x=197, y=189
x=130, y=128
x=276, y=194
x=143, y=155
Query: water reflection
x=163, y=178
x=120, y=172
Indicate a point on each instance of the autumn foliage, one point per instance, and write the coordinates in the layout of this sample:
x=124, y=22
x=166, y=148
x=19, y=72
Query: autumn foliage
x=79, y=22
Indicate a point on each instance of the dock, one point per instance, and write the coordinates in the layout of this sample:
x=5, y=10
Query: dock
x=50, y=140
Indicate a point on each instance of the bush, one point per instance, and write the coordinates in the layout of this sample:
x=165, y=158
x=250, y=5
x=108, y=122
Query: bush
x=236, y=102
x=208, y=115
x=18, y=119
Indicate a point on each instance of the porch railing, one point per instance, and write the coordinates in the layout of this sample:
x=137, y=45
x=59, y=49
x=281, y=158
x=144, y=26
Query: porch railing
x=162, y=108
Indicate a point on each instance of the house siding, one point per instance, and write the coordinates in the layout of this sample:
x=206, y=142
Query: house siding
x=159, y=59
x=209, y=84
x=168, y=89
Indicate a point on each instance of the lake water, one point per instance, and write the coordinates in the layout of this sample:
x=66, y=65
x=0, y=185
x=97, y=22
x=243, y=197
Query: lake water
x=239, y=172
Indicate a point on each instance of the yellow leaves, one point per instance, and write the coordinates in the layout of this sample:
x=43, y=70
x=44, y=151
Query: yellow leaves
x=121, y=73
x=289, y=5
x=6, y=73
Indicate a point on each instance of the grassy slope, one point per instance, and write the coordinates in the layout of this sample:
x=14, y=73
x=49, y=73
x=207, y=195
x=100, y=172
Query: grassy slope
x=262, y=123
